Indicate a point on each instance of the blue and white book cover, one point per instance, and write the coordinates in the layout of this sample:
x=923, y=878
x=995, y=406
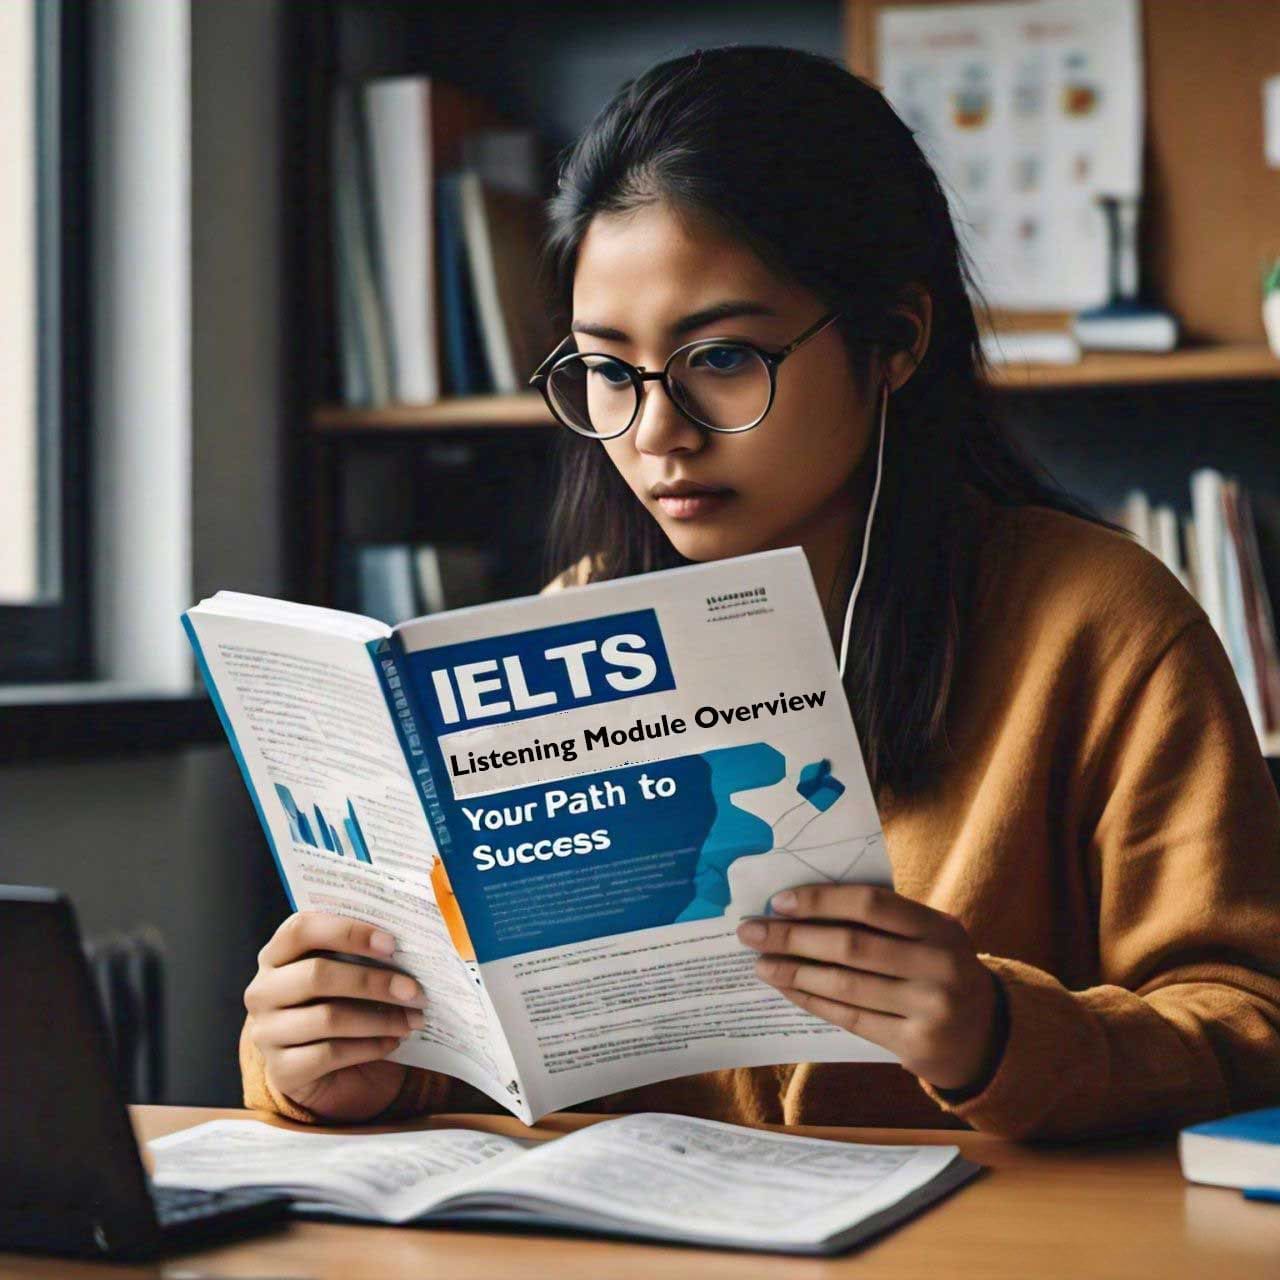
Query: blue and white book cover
x=655, y=751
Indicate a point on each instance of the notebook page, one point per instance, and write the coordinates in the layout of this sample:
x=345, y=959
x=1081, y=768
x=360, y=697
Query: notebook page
x=690, y=1176
x=392, y=1176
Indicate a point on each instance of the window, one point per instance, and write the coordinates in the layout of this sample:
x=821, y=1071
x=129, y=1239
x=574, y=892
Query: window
x=43, y=341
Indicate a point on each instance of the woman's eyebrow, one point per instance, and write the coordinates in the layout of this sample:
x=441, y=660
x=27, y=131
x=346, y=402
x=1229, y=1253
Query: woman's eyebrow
x=694, y=320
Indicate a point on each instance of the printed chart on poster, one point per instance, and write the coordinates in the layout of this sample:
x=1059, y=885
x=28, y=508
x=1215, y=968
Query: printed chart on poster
x=1028, y=112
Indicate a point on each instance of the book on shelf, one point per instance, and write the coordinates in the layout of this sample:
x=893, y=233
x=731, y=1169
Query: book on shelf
x=396, y=581
x=1165, y=533
x=1225, y=553
x=1258, y=622
x=508, y=159
x=398, y=129
x=1159, y=529
x=1137, y=518
x=452, y=577
x=386, y=582
x=1190, y=548
x=648, y=1175
x=466, y=365
x=561, y=806
x=364, y=352
x=1222, y=595
x=1030, y=346
x=1125, y=326
x=513, y=301
x=437, y=224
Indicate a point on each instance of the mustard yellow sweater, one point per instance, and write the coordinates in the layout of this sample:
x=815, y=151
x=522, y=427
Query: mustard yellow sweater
x=1109, y=835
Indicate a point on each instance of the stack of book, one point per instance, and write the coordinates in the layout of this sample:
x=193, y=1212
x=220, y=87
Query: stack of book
x=1030, y=346
x=1226, y=552
x=437, y=235
x=1241, y=1150
x=396, y=581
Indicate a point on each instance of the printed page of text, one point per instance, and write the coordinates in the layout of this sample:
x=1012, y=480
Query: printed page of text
x=346, y=827
x=395, y=1176
x=688, y=1175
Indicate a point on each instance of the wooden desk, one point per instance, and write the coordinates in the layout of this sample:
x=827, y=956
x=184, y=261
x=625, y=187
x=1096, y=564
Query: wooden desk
x=1107, y=1209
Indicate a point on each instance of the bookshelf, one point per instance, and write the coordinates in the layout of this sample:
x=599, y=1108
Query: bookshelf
x=483, y=464
x=1208, y=363
x=1225, y=362
x=477, y=413
x=540, y=66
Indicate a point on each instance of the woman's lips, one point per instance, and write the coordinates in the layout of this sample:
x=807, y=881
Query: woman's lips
x=688, y=506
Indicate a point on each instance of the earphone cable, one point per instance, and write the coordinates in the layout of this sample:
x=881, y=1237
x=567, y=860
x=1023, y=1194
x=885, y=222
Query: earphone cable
x=866, y=535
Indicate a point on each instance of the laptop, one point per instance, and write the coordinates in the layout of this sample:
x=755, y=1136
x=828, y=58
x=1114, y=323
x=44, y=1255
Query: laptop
x=71, y=1178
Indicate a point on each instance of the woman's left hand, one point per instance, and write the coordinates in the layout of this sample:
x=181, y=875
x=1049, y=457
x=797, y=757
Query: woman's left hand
x=887, y=968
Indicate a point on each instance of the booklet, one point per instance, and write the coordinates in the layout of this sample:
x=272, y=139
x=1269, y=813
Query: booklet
x=646, y=1175
x=561, y=806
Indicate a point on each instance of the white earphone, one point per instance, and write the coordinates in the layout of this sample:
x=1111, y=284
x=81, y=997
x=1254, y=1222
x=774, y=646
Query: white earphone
x=866, y=535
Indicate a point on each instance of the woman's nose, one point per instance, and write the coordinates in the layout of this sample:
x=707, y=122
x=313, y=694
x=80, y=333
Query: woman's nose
x=661, y=427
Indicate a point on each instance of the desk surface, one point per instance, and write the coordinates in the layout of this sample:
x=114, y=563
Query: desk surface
x=1108, y=1209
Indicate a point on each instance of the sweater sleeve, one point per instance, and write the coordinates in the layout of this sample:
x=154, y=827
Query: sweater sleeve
x=1184, y=859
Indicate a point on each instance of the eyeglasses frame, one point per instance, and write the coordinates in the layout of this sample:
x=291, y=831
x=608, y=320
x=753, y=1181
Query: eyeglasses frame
x=639, y=376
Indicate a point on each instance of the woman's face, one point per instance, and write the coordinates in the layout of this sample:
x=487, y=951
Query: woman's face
x=785, y=482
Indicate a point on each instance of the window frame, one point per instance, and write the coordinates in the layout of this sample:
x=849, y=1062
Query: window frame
x=49, y=640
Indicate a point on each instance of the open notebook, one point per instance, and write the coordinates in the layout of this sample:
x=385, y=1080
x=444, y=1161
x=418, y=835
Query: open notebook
x=647, y=1175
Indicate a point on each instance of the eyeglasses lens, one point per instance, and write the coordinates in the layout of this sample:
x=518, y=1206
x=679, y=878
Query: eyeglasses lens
x=593, y=394
x=724, y=385
x=720, y=384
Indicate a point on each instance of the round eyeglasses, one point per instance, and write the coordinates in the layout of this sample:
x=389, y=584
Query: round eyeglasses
x=723, y=384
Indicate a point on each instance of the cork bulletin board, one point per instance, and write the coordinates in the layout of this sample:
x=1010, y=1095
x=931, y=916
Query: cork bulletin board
x=1211, y=206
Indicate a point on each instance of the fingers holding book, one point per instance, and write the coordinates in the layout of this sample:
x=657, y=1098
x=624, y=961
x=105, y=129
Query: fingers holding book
x=306, y=931
x=318, y=977
x=336, y=1019
x=325, y=1008
x=889, y=969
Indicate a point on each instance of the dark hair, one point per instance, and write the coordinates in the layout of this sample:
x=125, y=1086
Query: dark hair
x=809, y=165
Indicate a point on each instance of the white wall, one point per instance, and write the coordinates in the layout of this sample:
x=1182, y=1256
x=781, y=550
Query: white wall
x=141, y=337
x=19, y=548
x=172, y=839
x=236, y=254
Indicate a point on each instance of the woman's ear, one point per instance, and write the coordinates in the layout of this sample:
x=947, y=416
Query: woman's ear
x=916, y=310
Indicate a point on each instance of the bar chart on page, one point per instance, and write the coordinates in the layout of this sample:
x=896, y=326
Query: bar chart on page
x=314, y=829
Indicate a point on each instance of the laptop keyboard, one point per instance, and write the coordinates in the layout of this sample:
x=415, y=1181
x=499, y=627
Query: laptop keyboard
x=180, y=1206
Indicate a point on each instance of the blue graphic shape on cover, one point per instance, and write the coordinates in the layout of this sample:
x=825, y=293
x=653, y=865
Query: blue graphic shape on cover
x=734, y=833
x=819, y=786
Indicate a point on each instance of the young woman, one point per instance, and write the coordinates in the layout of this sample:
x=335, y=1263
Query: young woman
x=1085, y=936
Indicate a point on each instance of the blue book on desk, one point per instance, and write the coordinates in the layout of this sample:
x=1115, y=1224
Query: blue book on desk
x=1237, y=1151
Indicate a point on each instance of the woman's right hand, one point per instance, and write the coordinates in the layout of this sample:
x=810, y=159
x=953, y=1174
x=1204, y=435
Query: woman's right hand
x=324, y=1026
